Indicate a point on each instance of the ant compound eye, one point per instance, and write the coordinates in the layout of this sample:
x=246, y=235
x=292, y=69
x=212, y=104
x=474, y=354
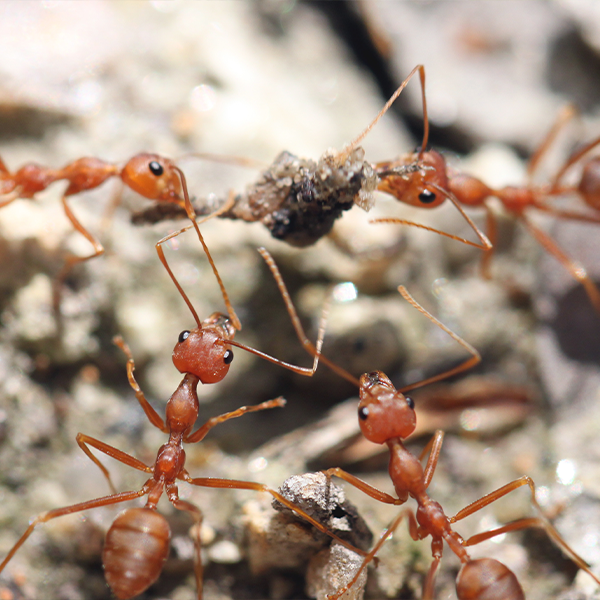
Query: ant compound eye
x=363, y=413
x=156, y=168
x=228, y=357
x=183, y=336
x=427, y=197
x=410, y=402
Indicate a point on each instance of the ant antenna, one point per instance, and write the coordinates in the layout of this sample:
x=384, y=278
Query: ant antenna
x=354, y=143
x=191, y=213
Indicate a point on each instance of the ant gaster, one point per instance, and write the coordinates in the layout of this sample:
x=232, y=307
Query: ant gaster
x=137, y=543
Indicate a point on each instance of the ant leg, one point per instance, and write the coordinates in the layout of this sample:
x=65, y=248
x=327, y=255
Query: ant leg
x=363, y=486
x=434, y=447
x=492, y=233
x=196, y=514
x=201, y=432
x=152, y=415
x=566, y=114
x=235, y=484
x=83, y=440
x=387, y=532
x=570, y=215
x=437, y=548
x=72, y=260
x=484, y=242
x=467, y=364
x=541, y=522
x=67, y=510
x=555, y=183
x=577, y=271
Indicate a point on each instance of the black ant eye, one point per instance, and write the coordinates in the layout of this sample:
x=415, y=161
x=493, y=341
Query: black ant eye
x=156, y=168
x=410, y=402
x=426, y=197
x=228, y=357
x=183, y=336
x=363, y=413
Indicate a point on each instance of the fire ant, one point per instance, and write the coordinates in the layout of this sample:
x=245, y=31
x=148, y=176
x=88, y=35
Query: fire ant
x=137, y=543
x=150, y=175
x=387, y=416
x=435, y=182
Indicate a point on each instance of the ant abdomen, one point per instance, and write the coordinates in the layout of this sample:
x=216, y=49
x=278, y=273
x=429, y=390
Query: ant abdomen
x=136, y=546
x=487, y=579
x=154, y=177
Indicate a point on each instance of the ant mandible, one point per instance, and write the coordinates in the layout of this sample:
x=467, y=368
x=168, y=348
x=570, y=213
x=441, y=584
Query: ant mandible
x=137, y=543
x=387, y=416
x=433, y=183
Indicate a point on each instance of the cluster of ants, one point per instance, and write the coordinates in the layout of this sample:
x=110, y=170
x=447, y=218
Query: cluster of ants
x=298, y=200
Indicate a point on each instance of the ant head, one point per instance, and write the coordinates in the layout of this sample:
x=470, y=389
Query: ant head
x=204, y=351
x=152, y=176
x=420, y=186
x=383, y=412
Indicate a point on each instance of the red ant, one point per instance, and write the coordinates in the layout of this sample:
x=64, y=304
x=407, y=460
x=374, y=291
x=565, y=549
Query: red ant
x=137, y=542
x=387, y=416
x=434, y=182
x=150, y=175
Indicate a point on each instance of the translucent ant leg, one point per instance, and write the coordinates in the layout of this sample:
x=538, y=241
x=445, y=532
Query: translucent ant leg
x=201, y=432
x=434, y=447
x=541, y=522
x=67, y=510
x=576, y=270
x=84, y=440
x=196, y=514
x=484, y=242
x=566, y=114
x=364, y=487
x=467, y=364
x=152, y=415
x=73, y=260
x=235, y=484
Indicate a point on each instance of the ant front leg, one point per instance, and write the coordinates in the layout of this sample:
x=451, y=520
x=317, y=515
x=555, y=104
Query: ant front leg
x=152, y=415
x=540, y=522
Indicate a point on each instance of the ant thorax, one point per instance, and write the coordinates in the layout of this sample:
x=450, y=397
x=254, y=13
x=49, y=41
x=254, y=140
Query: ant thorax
x=298, y=199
